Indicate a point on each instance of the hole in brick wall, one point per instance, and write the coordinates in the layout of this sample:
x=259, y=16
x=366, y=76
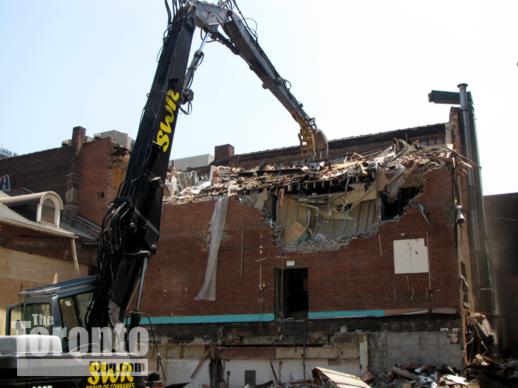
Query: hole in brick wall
x=390, y=209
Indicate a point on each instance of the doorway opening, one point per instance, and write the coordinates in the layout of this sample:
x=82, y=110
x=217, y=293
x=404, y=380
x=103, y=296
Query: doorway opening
x=291, y=293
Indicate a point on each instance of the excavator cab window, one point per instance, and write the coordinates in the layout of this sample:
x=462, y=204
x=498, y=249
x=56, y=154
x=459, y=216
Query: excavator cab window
x=24, y=317
x=38, y=315
x=74, y=308
x=15, y=315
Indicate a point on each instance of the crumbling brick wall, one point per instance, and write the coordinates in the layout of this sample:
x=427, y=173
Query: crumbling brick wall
x=101, y=172
x=359, y=276
x=101, y=167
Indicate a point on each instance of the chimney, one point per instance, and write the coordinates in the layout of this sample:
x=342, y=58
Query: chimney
x=78, y=138
x=223, y=153
x=73, y=178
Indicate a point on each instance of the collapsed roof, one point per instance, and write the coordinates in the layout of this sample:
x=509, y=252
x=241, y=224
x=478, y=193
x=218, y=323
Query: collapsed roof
x=315, y=204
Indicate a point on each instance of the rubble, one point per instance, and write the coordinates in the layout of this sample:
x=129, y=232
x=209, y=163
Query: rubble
x=493, y=372
x=323, y=206
x=334, y=379
x=416, y=375
x=391, y=167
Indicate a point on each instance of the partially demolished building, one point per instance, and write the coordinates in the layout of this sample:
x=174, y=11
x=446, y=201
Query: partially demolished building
x=273, y=266
x=269, y=266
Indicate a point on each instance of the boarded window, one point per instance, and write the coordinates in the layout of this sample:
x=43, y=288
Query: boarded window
x=410, y=256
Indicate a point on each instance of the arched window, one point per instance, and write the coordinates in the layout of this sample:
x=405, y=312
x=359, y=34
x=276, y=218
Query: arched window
x=48, y=211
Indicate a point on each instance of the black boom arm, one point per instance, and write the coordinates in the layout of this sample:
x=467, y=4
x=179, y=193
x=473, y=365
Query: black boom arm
x=130, y=229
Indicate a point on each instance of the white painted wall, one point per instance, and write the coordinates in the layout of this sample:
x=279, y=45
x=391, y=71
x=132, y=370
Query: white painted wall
x=180, y=370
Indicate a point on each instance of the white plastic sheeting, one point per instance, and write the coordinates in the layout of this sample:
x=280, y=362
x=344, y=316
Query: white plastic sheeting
x=217, y=225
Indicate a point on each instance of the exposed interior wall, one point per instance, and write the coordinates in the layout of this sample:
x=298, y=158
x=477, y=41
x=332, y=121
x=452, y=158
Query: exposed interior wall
x=286, y=370
x=22, y=270
x=191, y=363
x=347, y=352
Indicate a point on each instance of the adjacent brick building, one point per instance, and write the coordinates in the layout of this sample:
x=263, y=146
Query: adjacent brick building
x=85, y=172
x=502, y=227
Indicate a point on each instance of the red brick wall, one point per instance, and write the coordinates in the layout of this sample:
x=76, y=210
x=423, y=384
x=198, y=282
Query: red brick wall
x=501, y=216
x=95, y=189
x=101, y=173
x=39, y=171
x=33, y=242
x=357, y=277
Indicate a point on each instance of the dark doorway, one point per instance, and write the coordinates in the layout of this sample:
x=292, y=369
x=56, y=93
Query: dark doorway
x=291, y=293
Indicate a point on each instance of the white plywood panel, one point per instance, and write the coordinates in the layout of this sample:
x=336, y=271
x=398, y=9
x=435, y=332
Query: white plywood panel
x=410, y=256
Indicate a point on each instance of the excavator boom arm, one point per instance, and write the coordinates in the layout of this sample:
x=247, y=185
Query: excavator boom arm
x=131, y=227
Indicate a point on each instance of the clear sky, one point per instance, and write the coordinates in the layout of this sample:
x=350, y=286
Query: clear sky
x=358, y=66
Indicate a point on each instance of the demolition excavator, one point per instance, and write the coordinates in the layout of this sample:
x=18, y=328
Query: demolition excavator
x=130, y=229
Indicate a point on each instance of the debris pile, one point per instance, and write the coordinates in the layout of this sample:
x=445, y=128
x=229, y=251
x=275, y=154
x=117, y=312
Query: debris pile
x=323, y=206
x=424, y=376
x=491, y=372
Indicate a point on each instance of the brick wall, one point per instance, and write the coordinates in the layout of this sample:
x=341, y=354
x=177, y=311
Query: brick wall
x=501, y=218
x=431, y=134
x=32, y=242
x=101, y=173
x=357, y=277
x=39, y=171
x=100, y=167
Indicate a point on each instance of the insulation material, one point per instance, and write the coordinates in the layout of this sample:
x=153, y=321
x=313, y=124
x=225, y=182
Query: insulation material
x=261, y=199
x=361, y=192
x=410, y=256
x=360, y=220
x=294, y=233
x=289, y=212
x=217, y=225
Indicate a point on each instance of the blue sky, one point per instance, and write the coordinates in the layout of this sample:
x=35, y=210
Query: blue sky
x=358, y=67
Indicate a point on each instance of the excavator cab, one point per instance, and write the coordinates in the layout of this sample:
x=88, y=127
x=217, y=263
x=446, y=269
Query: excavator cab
x=52, y=309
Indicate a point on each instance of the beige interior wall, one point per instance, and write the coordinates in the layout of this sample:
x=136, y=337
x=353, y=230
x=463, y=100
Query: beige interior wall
x=21, y=270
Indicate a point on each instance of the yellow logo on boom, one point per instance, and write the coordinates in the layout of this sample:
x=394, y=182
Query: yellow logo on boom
x=163, y=136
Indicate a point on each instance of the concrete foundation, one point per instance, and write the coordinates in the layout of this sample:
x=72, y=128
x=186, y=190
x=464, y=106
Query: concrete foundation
x=431, y=348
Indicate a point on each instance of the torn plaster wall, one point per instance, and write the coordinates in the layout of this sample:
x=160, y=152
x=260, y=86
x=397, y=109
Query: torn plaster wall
x=328, y=216
x=357, y=221
x=217, y=225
